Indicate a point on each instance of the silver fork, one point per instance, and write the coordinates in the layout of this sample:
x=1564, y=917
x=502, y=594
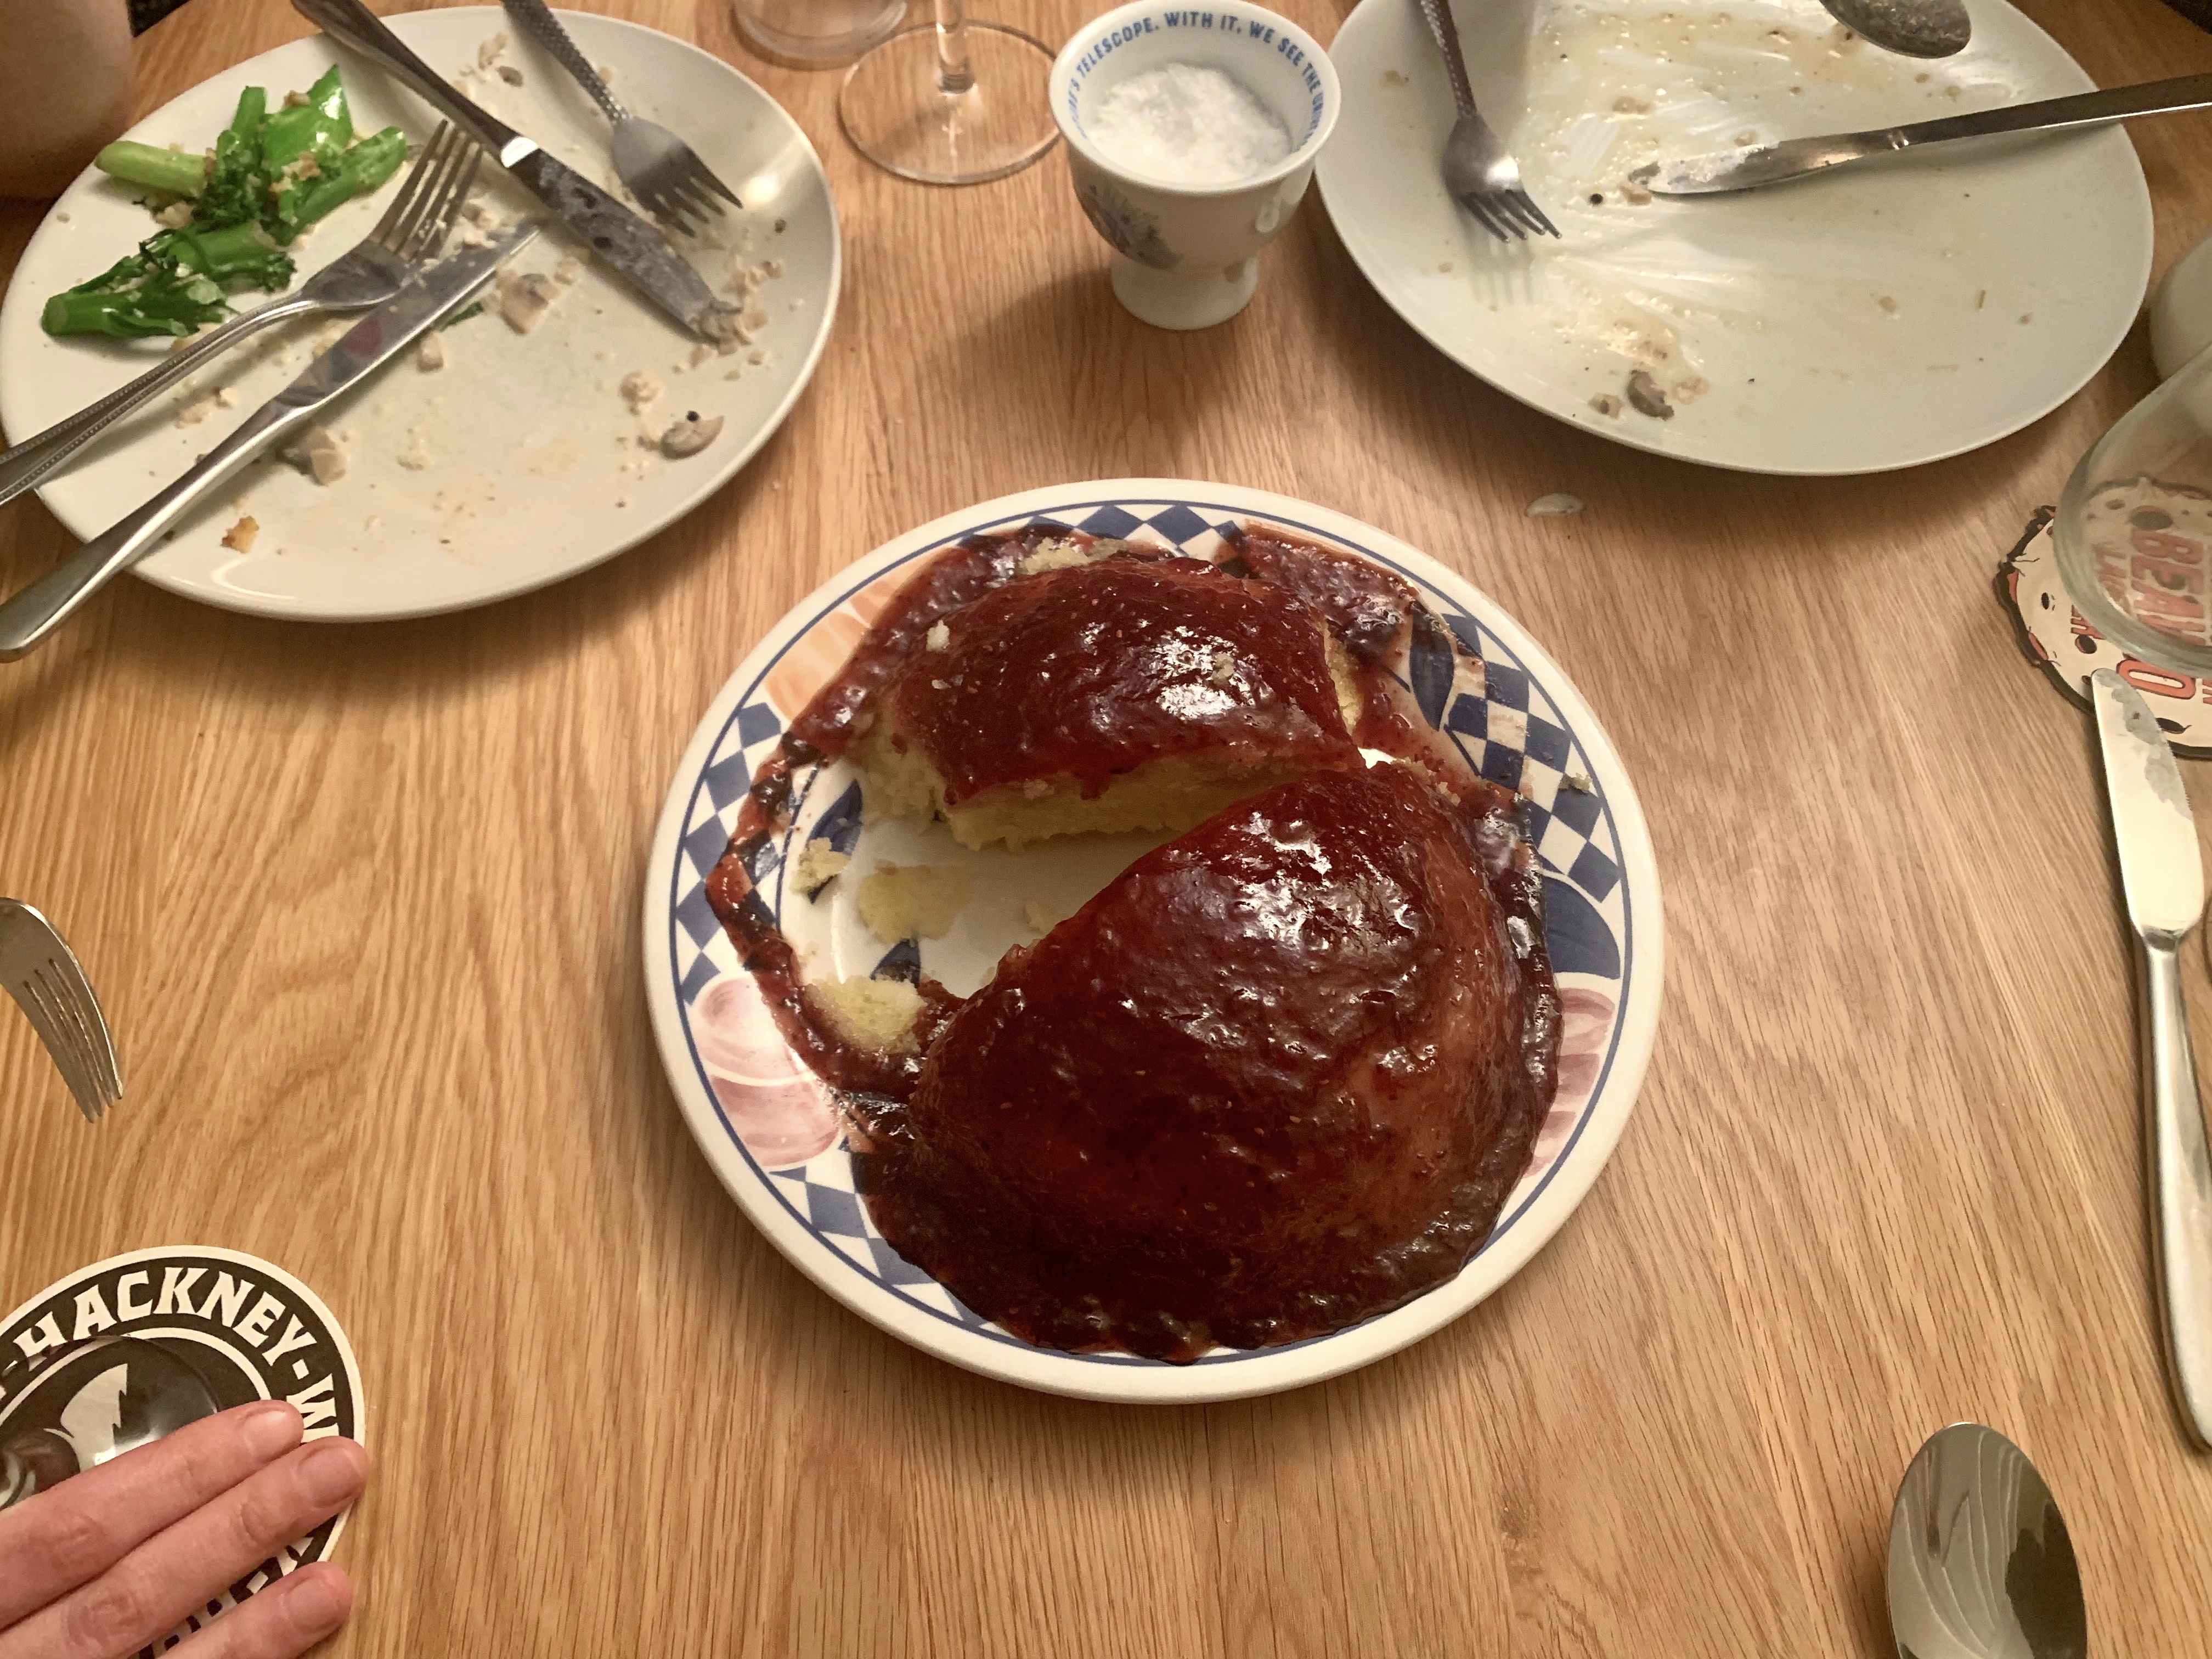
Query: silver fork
x=41, y=973
x=367, y=275
x=657, y=166
x=1480, y=173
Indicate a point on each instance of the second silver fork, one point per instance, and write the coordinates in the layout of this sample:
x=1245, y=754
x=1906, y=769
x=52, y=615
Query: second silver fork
x=38, y=969
x=1479, y=172
x=367, y=275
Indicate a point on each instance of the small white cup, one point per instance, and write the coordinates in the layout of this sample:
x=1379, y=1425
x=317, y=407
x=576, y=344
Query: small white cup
x=2181, y=310
x=1186, y=256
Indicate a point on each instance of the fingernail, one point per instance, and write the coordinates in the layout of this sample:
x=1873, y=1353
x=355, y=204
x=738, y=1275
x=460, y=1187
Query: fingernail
x=331, y=1473
x=272, y=1430
x=313, y=1603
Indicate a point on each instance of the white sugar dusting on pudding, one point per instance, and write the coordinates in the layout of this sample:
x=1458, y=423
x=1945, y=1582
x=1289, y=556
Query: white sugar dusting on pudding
x=1182, y=124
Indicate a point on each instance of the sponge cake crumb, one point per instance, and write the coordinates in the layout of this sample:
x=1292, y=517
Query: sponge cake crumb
x=915, y=901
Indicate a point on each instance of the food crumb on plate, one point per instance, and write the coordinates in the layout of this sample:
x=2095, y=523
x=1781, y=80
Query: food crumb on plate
x=512, y=76
x=914, y=900
x=317, y=454
x=196, y=410
x=239, y=539
x=1606, y=403
x=488, y=52
x=940, y=636
x=869, y=1013
x=524, y=299
x=1645, y=396
x=690, y=436
x=638, y=389
x=1392, y=78
x=429, y=353
x=818, y=865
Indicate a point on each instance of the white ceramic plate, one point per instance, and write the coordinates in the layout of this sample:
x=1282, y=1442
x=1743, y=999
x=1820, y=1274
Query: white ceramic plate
x=1889, y=315
x=523, y=478
x=771, y=1129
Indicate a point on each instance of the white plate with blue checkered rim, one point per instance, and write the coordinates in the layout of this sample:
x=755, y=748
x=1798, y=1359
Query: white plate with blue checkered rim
x=769, y=1129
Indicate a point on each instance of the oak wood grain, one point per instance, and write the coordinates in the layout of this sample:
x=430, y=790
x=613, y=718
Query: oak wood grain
x=362, y=905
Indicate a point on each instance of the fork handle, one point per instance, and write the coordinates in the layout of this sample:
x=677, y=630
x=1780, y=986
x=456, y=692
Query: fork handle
x=544, y=27
x=41, y=455
x=28, y=616
x=352, y=24
x=1438, y=12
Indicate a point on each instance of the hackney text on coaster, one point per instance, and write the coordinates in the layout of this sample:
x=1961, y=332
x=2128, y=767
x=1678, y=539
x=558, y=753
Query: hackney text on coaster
x=130, y=1348
x=2058, y=639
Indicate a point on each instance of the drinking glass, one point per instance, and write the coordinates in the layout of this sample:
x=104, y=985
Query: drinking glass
x=951, y=102
x=2134, y=530
x=816, y=33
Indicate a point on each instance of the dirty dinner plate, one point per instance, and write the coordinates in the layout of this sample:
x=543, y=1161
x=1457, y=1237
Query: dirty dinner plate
x=517, y=462
x=1892, y=314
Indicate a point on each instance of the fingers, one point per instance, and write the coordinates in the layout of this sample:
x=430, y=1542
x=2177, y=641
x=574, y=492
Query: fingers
x=69, y=1536
x=282, y=1622
x=180, y=1568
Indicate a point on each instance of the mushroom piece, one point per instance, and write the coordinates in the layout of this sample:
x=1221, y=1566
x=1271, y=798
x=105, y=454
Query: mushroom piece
x=317, y=454
x=524, y=301
x=690, y=436
x=1645, y=397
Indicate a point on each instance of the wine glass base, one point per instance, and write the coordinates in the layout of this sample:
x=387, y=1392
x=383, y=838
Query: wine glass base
x=894, y=107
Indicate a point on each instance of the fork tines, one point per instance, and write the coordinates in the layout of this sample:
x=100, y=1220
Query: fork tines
x=429, y=199
x=1509, y=214
x=38, y=969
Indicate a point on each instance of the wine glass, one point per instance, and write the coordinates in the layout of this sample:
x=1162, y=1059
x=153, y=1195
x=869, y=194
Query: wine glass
x=951, y=102
x=2134, y=530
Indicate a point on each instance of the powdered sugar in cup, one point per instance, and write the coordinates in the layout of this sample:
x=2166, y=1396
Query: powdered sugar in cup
x=1191, y=137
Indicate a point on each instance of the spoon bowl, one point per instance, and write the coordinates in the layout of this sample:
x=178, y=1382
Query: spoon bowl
x=1980, y=1565
x=1913, y=28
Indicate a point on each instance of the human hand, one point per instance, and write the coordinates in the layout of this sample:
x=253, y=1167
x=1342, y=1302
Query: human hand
x=114, y=1559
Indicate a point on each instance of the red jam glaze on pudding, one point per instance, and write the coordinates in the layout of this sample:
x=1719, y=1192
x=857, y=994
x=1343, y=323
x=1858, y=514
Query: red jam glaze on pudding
x=1276, y=1079
x=1093, y=671
x=828, y=724
x=1367, y=606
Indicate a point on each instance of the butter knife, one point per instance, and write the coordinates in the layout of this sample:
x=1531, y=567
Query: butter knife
x=29, y=615
x=2163, y=877
x=1800, y=158
x=630, y=243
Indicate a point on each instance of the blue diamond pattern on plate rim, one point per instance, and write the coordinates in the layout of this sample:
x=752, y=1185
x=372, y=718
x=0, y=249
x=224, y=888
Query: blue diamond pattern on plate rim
x=1506, y=726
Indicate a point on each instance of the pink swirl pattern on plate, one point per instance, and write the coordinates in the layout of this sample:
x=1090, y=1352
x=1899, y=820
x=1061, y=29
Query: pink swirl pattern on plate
x=782, y=1112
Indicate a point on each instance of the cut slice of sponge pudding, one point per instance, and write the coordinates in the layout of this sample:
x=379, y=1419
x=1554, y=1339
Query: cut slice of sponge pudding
x=1132, y=693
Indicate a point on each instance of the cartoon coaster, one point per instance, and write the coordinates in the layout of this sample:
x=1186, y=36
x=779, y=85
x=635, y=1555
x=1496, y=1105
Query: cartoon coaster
x=2056, y=639
x=130, y=1349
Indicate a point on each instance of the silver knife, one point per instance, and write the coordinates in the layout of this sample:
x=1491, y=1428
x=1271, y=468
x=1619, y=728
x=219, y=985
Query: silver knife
x=1799, y=158
x=29, y=615
x=2163, y=875
x=614, y=235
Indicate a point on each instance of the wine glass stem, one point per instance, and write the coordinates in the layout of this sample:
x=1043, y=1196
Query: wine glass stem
x=953, y=74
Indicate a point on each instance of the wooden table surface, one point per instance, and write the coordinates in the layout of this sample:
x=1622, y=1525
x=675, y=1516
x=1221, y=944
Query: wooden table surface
x=362, y=904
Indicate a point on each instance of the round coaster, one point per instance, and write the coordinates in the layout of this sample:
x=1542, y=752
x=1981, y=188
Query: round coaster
x=2058, y=640
x=131, y=1348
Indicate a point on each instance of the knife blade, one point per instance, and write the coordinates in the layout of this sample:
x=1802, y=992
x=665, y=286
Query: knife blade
x=1799, y=158
x=2163, y=877
x=2160, y=868
x=632, y=245
x=30, y=615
